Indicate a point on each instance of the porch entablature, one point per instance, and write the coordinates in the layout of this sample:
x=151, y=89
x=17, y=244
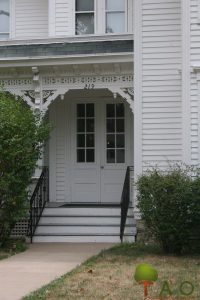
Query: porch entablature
x=40, y=88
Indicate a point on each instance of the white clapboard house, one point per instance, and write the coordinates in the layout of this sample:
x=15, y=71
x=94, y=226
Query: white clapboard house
x=120, y=82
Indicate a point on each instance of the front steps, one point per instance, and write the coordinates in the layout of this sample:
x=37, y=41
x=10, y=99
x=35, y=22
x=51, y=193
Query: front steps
x=84, y=224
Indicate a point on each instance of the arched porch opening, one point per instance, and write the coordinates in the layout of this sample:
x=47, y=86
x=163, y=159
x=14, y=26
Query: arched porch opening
x=90, y=146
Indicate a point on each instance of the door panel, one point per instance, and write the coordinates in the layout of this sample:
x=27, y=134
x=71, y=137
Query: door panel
x=85, y=154
x=115, y=153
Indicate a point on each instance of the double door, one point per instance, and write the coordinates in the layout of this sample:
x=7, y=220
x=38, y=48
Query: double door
x=101, y=150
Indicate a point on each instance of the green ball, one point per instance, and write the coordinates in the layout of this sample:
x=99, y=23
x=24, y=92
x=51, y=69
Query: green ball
x=145, y=272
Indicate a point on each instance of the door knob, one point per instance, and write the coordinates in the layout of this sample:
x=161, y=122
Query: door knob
x=102, y=167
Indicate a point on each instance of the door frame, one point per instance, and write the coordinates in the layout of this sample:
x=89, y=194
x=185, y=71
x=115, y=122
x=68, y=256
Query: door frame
x=100, y=155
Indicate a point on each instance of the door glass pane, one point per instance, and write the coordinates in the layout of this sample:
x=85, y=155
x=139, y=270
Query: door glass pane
x=118, y=5
x=90, y=140
x=90, y=110
x=120, y=125
x=110, y=156
x=115, y=22
x=110, y=125
x=120, y=156
x=81, y=155
x=81, y=140
x=84, y=5
x=90, y=125
x=120, y=110
x=120, y=140
x=110, y=141
x=81, y=125
x=90, y=155
x=110, y=110
x=84, y=23
x=80, y=110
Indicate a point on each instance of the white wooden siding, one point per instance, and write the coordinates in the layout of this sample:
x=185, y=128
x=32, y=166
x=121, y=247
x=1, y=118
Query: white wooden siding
x=59, y=179
x=195, y=92
x=31, y=18
x=64, y=17
x=161, y=82
x=43, y=18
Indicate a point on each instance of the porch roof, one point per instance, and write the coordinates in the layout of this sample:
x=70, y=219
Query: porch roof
x=65, y=48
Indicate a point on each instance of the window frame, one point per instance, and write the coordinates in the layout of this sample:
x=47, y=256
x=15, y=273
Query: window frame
x=100, y=19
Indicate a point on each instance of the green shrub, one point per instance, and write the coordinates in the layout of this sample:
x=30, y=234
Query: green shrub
x=21, y=138
x=169, y=203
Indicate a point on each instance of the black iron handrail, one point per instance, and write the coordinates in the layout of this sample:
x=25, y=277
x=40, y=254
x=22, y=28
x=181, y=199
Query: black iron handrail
x=38, y=200
x=125, y=200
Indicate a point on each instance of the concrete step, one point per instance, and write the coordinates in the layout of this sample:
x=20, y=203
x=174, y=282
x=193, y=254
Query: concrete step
x=81, y=239
x=85, y=220
x=84, y=224
x=82, y=229
x=84, y=211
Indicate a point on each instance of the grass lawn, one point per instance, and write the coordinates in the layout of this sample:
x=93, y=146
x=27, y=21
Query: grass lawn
x=110, y=276
x=12, y=247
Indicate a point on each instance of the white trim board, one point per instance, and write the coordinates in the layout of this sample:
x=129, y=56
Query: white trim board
x=186, y=81
x=69, y=39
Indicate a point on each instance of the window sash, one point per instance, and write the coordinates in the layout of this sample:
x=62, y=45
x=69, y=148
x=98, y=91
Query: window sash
x=91, y=19
x=109, y=12
x=4, y=19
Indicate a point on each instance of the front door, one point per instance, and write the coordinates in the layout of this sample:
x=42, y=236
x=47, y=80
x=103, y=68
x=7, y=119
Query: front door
x=115, y=153
x=101, y=150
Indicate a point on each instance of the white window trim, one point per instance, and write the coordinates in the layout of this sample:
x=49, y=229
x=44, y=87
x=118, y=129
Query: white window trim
x=198, y=15
x=12, y=19
x=52, y=17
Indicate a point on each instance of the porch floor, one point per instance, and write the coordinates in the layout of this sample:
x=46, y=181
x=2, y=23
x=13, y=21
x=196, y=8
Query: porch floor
x=81, y=204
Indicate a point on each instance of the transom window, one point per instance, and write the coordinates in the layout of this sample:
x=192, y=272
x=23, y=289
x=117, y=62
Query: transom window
x=85, y=133
x=115, y=16
x=115, y=133
x=4, y=19
x=85, y=17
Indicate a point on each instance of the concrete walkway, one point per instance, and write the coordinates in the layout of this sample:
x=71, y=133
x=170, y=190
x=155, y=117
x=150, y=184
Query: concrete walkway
x=40, y=264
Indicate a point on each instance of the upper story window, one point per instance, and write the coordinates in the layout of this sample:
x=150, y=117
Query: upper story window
x=4, y=19
x=102, y=16
x=115, y=16
x=84, y=17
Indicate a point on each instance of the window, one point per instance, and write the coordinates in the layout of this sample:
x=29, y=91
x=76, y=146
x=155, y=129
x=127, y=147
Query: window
x=84, y=17
x=115, y=133
x=85, y=133
x=115, y=16
x=4, y=19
